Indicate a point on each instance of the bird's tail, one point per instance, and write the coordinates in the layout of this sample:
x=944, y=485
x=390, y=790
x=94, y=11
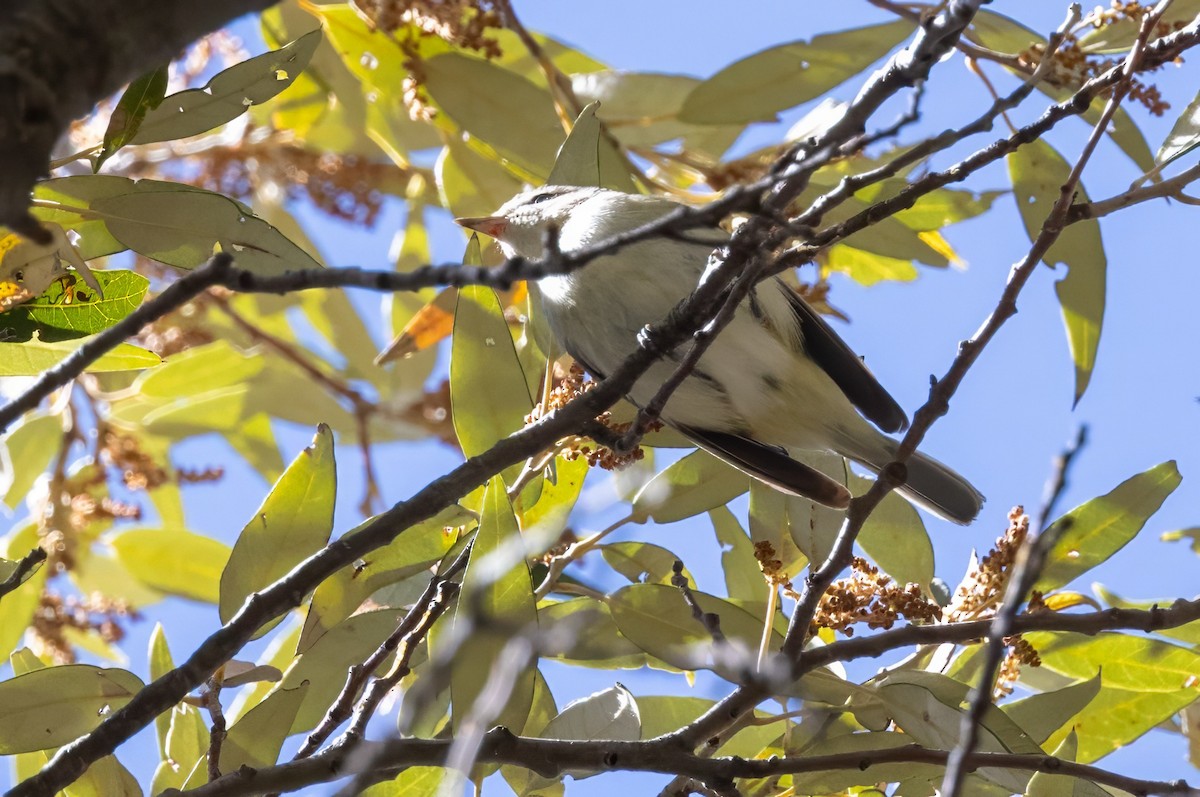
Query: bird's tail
x=930, y=484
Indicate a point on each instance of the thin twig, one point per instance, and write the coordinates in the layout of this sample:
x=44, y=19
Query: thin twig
x=217, y=734
x=1057, y=483
x=1033, y=552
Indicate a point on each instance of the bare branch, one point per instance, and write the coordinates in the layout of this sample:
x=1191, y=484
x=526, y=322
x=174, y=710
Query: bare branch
x=552, y=757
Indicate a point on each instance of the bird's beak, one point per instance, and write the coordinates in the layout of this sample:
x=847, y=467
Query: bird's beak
x=493, y=226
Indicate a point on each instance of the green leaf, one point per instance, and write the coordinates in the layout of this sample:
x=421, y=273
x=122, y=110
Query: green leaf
x=293, y=522
x=228, y=94
x=641, y=109
x=697, y=483
x=642, y=562
x=1097, y=529
x=1184, y=136
x=1038, y=174
x=1042, y=714
x=743, y=576
x=28, y=451
x=601, y=646
x=1044, y=784
x=160, y=663
x=499, y=107
x=998, y=32
x=470, y=184
x=52, y=706
x=32, y=357
x=1144, y=682
x=186, y=744
x=489, y=396
x=324, y=664
x=497, y=591
x=60, y=307
x=412, y=782
x=868, y=268
x=140, y=97
x=106, y=777
x=588, y=157
x=814, y=528
x=173, y=561
x=656, y=618
x=256, y=738
x=769, y=529
x=182, y=227
x=1124, y=661
x=759, y=86
x=66, y=201
x=338, y=596
x=895, y=537
x=611, y=714
x=18, y=606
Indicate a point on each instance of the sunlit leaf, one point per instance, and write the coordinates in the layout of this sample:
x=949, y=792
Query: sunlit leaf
x=28, y=450
x=642, y=562
x=488, y=391
x=228, y=94
x=641, y=109
x=32, y=357
x=187, y=743
x=499, y=107
x=608, y=714
x=414, y=550
x=1188, y=632
x=293, y=522
x=183, y=226
x=895, y=537
x=1042, y=714
x=588, y=157
x=743, y=576
x=173, y=561
x=697, y=483
x=471, y=184
x=1038, y=174
x=49, y=707
x=1097, y=529
x=496, y=585
x=255, y=739
x=759, y=86
x=140, y=97
x=160, y=663
x=60, y=307
x=1184, y=136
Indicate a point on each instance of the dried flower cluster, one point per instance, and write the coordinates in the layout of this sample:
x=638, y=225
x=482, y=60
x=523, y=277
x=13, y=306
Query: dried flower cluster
x=871, y=597
x=57, y=617
x=772, y=567
x=573, y=384
x=344, y=186
x=138, y=469
x=1020, y=653
x=463, y=23
x=982, y=588
x=178, y=331
x=1073, y=66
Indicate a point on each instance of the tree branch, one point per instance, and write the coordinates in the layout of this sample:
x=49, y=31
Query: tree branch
x=553, y=757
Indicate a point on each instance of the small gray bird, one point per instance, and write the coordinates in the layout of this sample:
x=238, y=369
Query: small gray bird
x=777, y=376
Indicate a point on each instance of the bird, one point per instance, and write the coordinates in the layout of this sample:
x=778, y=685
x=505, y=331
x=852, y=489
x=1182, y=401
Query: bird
x=777, y=377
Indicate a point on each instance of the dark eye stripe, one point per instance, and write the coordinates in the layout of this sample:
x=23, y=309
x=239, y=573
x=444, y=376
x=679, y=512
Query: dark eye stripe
x=542, y=197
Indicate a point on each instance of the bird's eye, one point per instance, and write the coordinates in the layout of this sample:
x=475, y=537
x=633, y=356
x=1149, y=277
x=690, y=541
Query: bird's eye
x=539, y=198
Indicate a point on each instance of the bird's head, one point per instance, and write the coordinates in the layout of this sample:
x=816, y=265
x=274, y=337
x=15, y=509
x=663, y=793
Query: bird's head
x=523, y=222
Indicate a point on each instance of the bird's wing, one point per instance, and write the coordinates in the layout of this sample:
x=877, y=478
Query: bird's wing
x=845, y=368
x=772, y=465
